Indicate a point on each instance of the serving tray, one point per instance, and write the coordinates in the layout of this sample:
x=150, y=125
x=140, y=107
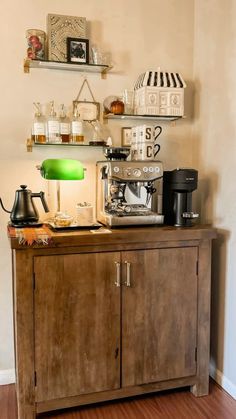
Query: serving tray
x=75, y=226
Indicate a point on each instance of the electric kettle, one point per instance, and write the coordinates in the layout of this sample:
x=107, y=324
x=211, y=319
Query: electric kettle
x=24, y=211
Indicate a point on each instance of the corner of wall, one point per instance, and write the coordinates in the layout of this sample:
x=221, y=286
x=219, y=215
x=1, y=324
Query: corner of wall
x=223, y=381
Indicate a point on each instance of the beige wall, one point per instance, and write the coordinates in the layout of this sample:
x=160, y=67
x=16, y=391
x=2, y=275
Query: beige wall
x=141, y=35
x=215, y=155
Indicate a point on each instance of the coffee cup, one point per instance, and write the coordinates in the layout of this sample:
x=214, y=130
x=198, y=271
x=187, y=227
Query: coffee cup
x=147, y=150
x=149, y=133
x=143, y=142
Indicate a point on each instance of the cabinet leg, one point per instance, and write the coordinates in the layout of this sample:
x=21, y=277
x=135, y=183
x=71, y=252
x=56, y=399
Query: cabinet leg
x=201, y=388
x=26, y=412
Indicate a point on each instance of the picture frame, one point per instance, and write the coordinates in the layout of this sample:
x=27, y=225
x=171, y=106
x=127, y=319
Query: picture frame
x=89, y=111
x=77, y=50
x=126, y=136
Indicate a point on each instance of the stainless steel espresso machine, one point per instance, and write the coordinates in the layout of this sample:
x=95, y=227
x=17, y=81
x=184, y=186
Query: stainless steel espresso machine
x=129, y=192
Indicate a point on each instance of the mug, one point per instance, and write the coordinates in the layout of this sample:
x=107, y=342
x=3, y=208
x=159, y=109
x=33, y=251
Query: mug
x=144, y=134
x=149, y=133
x=147, y=150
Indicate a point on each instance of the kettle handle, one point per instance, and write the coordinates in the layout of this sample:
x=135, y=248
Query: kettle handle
x=41, y=196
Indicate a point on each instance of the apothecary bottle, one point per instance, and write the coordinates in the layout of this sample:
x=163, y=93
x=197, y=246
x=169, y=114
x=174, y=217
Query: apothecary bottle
x=64, y=125
x=38, y=133
x=77, y=135
x=53, y=131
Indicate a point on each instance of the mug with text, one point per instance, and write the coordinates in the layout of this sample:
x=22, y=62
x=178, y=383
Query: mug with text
x=149, y=133
x=147, y=150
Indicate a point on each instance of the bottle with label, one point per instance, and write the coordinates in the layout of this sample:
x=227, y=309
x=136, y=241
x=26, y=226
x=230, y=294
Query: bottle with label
x=53, y=132
x=38, y=134
x=77, y=135
x=64, y=125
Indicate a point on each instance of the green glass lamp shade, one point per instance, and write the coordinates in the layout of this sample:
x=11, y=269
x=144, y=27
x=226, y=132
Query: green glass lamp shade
x=62, y=169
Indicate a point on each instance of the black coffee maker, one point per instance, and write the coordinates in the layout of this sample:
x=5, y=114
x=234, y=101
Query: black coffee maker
x=178, y=186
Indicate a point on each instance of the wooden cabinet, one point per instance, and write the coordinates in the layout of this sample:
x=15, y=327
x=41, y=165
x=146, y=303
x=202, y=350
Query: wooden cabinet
x=105, y=316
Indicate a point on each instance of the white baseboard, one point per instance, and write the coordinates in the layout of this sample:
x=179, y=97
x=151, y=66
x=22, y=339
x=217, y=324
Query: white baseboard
x=7, y=377
x=223, y=381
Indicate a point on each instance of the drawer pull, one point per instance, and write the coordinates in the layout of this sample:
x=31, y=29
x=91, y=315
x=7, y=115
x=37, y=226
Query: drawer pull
x=117, y=281
x=128, y=280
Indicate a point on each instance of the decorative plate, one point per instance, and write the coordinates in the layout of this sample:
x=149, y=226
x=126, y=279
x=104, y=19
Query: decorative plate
x=59, y=28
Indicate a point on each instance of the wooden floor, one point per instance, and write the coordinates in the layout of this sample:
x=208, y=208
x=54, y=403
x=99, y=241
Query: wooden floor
x=174, y=404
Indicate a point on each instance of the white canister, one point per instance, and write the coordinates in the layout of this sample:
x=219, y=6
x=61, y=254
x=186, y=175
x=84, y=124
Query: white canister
x=84, y=212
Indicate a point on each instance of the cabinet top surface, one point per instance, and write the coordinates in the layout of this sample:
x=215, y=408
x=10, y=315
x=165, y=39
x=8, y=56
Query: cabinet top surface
x=120, y=236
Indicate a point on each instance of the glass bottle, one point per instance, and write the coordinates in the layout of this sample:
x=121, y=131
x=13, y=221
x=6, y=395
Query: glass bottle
x=64, y=125
x=38, y=133
x=53, y=133
x=77, y=135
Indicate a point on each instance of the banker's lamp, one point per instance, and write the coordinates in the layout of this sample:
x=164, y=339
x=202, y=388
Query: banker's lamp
x=61, y=169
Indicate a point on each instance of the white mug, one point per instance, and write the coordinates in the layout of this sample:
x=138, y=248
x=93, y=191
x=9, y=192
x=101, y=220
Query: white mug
x=144, y=134
x=147, y=150
x=149, y=133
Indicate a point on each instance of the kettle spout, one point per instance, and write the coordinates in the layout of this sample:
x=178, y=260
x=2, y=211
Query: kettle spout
x=9, y=212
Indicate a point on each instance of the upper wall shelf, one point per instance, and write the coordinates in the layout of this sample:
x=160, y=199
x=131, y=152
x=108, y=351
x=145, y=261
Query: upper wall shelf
x=138, y=117
x=57, y=65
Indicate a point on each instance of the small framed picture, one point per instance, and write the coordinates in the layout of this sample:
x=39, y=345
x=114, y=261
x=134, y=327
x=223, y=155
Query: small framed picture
x=89, y=111
x=78, y=50
x=126, y=136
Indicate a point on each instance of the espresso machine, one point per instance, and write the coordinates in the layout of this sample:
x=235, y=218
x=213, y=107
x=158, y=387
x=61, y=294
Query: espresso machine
x=178, y=186
x=129, y=192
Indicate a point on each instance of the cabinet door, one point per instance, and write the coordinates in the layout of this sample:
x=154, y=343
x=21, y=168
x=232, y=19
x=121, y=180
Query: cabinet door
x=77, y=324
x=159, y=320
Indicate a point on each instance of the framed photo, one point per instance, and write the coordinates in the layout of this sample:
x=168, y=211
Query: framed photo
x=89, y=111
x=126, y=136
x=78, y=50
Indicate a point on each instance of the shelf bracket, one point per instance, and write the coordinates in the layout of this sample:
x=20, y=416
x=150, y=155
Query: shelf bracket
x=103, y=74
x=29, y=144
x=26, y=66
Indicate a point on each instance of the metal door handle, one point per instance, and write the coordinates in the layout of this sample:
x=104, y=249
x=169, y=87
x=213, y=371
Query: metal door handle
x=117, y=281
x=190, y=215
x=128, y=280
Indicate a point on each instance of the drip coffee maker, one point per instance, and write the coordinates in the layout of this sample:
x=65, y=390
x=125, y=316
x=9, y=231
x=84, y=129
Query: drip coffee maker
x=178, y=186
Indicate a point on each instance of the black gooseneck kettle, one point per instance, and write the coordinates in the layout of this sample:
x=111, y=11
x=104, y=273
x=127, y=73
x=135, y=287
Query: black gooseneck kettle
x=24, y=211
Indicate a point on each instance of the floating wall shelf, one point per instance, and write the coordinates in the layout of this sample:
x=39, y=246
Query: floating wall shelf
x=30, y=144
x=57, y=65
x=139, y=117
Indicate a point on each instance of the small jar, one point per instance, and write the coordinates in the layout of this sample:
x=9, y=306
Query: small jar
x=36, y=40
x=117, y=107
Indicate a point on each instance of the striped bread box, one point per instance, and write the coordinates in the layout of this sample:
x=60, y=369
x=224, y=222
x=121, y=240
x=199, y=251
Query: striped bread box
x=159, y=93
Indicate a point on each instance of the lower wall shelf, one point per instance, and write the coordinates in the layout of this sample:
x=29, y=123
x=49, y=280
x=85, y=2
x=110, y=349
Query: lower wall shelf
x=30, y=144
